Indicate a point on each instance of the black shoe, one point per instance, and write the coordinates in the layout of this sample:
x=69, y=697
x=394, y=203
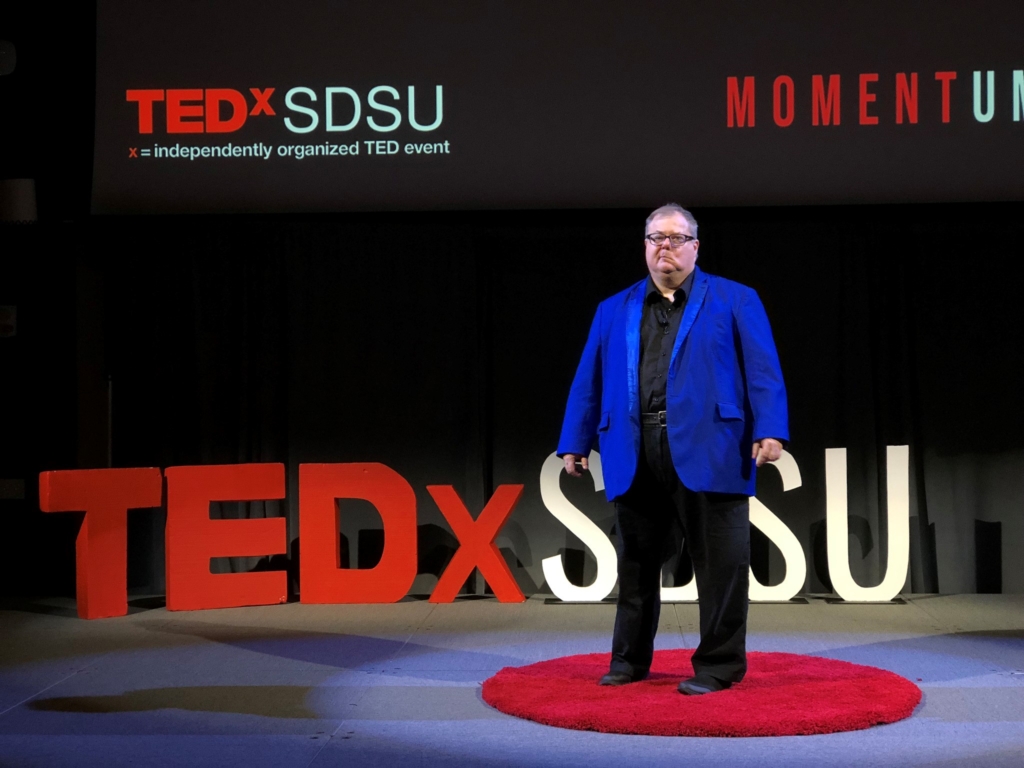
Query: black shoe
x=617, y=678
x=701, y=684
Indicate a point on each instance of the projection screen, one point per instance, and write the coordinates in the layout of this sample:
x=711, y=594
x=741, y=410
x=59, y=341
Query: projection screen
x=466, y=104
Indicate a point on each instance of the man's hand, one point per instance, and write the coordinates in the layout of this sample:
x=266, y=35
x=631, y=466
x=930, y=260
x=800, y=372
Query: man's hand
x=570, y=464
x=768, y=449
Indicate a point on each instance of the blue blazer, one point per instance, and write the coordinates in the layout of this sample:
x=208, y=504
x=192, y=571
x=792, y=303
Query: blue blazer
x=724, y=389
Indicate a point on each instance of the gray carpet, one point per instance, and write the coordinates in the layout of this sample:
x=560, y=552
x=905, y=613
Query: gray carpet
x=297, y=685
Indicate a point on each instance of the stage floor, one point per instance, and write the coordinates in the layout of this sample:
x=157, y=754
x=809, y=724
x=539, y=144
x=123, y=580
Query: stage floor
x=298, y=685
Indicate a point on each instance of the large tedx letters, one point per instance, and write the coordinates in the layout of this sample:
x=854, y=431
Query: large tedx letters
x=193, y=539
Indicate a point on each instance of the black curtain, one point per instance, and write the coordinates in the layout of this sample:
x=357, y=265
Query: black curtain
x=443, y=345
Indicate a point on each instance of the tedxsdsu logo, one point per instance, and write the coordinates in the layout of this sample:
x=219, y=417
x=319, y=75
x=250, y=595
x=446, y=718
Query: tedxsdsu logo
x=821, y=100
x=332, y=109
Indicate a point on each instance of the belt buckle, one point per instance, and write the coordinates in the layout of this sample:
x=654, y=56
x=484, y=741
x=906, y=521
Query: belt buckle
x=662, y=422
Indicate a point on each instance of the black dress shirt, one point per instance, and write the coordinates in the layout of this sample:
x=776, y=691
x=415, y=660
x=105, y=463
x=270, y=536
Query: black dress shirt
x=658, y=328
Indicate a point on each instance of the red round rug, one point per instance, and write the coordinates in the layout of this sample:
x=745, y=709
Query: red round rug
x=783, y=694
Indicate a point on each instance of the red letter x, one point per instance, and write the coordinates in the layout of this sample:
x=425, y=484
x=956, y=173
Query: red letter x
x=476, y=543
x=262, y=106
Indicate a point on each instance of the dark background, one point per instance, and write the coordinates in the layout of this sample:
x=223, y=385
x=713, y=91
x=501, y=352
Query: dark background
x=443, y=344
x=566, y=104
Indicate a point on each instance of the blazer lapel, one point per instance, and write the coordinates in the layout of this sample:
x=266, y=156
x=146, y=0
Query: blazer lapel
x=634, y=315
x=693, y=305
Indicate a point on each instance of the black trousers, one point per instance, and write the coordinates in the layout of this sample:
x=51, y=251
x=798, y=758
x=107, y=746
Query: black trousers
x=655, y=517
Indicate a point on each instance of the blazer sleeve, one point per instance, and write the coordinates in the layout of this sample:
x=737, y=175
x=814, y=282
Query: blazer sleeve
x=583, y=411
x=765, y=386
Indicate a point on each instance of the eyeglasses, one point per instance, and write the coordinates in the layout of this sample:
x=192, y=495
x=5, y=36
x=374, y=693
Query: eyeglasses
x=657, y=238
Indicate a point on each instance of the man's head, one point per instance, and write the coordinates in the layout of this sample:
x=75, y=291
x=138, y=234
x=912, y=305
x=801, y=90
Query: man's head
x=671, y=260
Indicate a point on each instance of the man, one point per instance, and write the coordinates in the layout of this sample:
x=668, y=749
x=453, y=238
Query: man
x=681, y=383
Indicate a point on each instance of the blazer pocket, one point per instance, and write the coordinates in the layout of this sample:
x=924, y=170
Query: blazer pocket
x=605, y=420
x=728, y=411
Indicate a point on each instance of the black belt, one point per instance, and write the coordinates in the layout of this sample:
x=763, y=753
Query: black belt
x=653, y=419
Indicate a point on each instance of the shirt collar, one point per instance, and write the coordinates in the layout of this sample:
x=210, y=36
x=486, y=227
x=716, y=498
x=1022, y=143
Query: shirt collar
x=682, y=292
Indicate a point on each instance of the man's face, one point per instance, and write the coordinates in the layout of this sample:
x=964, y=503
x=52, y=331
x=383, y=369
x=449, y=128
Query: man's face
x=669, y=262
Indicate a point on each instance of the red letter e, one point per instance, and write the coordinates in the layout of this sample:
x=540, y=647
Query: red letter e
x=193, y=538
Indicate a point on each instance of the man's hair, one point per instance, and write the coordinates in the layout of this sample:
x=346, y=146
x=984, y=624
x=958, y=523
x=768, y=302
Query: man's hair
x=667, y=210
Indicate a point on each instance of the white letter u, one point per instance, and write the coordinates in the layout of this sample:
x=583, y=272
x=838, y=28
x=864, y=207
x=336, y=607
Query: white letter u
x=990, y=108
x=898, y=522
x=412, y=110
